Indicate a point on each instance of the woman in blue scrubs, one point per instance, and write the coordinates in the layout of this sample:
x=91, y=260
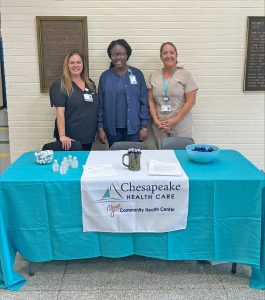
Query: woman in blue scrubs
x=123, y=113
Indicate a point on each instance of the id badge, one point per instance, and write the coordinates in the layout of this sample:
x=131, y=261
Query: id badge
x=165, y=108
x=88, y=97
x=165, y=98
x=133, y=79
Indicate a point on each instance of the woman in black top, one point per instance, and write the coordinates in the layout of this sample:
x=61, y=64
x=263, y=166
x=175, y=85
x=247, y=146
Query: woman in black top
x=75, y=99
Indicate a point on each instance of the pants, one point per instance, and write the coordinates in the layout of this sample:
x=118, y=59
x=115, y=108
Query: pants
x=122, y=136
x=87, y=147
x=159, y=135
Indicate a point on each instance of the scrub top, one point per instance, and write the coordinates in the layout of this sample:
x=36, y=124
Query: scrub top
x=181, y=83
x=80, y=111
x=137, y=114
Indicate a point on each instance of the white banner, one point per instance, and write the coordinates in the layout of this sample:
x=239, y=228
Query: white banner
x=115, y=199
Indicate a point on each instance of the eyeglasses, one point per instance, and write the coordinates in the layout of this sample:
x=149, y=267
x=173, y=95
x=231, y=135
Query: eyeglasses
x=115, y=56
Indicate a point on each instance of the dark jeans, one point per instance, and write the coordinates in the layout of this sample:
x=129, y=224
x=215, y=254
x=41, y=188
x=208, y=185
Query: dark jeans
x=122, y=136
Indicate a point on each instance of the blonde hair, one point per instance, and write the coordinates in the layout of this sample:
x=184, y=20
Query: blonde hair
x=66, y=80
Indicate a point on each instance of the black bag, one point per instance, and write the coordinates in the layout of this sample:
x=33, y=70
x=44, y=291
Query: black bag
x=57, y=146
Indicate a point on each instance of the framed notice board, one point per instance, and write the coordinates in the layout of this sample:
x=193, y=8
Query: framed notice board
x=254, y=79
x=58, y=36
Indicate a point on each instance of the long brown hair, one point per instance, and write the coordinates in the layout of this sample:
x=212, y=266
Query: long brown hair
x=66, y=80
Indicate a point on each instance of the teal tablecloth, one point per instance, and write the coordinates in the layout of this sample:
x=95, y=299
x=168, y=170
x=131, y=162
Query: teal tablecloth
x=41, y=218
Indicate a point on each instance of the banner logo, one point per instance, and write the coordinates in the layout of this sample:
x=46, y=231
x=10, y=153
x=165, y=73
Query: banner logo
x=111, y=194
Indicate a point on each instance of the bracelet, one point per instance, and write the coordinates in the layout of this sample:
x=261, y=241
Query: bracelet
x=61, y=135
x=144, y=128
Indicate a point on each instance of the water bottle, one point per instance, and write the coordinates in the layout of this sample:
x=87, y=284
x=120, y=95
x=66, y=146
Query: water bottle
x=70, y=160
x=63, y=168
x=65, y=162
x=75, y=162
x=55, y=166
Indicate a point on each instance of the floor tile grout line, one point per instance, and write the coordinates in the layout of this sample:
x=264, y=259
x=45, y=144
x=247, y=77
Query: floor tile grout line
x=64, y=272
x=220, y=279
x=218, y=274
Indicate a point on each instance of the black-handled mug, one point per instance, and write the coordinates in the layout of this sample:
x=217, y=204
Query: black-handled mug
x=134, y=161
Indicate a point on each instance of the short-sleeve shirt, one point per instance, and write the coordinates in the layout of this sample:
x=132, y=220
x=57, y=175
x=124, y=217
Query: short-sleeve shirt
x=181, y=83
x=80, y=114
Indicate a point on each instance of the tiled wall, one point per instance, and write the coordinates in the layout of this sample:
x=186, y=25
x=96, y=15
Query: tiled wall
x=211, y=39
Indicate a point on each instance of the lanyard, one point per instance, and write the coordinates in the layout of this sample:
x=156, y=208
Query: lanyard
x=166, y=83
x=132, y=77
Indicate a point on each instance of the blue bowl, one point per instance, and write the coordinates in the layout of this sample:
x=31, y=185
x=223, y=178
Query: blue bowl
x=202, y=153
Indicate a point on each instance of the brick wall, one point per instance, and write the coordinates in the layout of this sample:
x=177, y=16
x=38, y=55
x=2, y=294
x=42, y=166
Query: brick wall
x=211, y=40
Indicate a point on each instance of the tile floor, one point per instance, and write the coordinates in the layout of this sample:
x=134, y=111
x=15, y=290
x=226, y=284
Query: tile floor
x=133, y=277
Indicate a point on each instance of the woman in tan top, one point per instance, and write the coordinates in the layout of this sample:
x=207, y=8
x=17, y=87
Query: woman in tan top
x=172, y=94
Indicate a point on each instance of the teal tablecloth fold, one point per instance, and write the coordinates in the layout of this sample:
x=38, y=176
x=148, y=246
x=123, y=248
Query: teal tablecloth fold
x=257, y=279
x=8, y=278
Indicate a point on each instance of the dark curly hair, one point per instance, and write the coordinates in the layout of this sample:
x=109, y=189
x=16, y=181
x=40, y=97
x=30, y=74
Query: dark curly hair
x=122, y=43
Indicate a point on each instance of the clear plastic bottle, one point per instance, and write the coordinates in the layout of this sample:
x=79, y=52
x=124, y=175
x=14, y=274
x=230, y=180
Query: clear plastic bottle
x=63, y=168
x=55, y=166
x=74, y=162
x=70, y=160
x=65, y=162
